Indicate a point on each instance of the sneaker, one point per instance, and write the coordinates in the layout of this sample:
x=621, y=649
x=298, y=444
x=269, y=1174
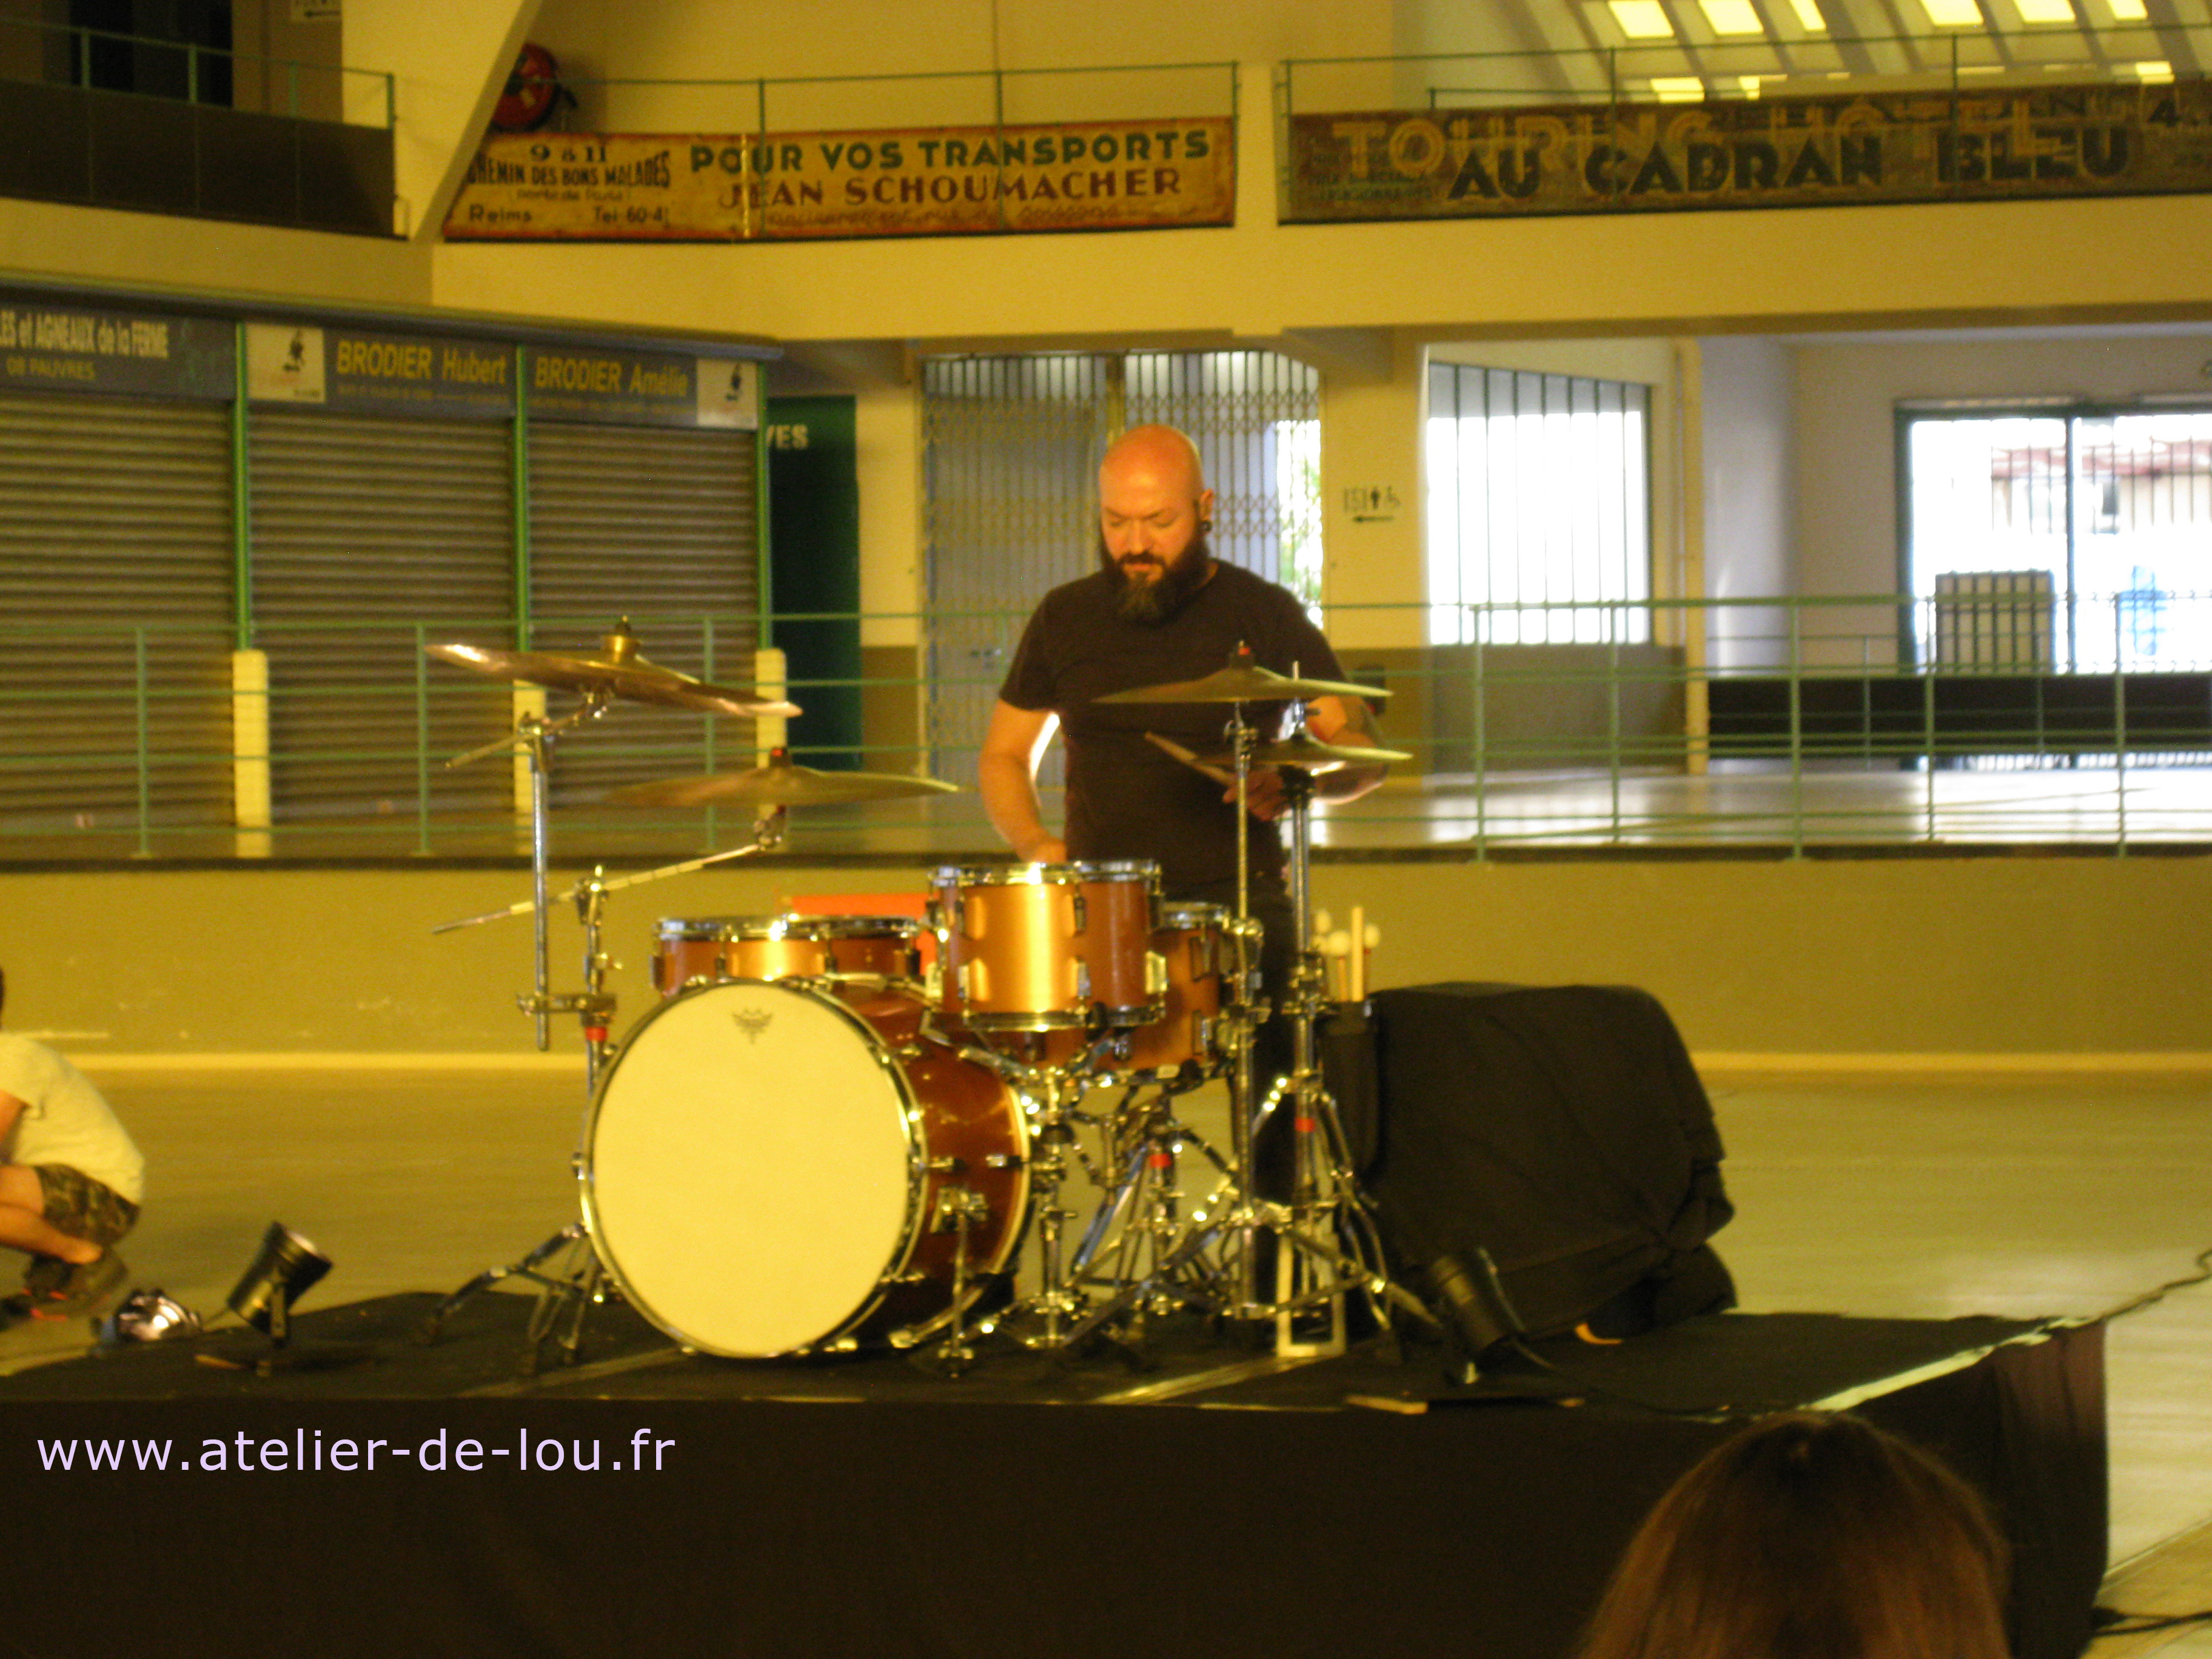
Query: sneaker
x=43, y=1276
x=82, y=1289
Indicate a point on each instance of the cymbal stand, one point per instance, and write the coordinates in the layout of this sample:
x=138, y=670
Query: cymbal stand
x=1329, y=1242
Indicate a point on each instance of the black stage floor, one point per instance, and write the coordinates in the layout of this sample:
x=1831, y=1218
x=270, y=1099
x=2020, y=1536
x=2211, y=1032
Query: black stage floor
x=650, y=1501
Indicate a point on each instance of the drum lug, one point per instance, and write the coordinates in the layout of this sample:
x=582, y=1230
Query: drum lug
x=1082, y=913
x=948, y=1166
x=1156, y=974
x=957, y=1204
x=1002, y=1160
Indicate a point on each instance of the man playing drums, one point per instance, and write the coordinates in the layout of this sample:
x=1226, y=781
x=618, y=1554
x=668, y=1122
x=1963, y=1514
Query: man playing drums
x=1160, y=609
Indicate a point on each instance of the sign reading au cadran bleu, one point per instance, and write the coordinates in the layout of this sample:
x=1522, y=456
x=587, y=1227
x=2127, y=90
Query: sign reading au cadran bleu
x=938, y=181
x=1763, y=152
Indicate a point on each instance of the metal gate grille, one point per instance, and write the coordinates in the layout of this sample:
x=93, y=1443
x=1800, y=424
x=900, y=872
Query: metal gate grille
x=660, y=525
x=115, y=528
x=1011, y=449
x=361, y=528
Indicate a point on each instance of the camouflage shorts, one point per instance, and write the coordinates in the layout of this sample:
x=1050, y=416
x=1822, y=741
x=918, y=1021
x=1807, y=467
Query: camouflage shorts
x=82, y=1207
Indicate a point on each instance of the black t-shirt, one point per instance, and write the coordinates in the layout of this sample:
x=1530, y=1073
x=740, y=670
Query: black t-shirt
x=1125, y=797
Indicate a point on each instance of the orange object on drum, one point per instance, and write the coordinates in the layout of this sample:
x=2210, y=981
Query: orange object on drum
x=1049, y=947
x=769, y=1170
x=710, y=948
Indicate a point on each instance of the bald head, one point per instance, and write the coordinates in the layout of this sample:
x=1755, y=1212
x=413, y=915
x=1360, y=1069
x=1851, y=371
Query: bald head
x=1153, y=506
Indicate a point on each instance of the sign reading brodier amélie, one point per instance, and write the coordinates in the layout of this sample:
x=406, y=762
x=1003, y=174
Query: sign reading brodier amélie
x=1766, y=152
x=940, y=181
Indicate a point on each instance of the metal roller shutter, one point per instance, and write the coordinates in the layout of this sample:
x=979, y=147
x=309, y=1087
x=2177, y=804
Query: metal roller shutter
x=364, y=529
x=115, y=512
x=660, y=525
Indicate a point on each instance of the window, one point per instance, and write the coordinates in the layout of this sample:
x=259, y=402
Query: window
x=2100, y=517
x=1539, y=518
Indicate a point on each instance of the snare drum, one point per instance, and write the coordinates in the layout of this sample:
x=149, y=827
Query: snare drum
x=1048, y=947
x=781, y=947
x=770, y=1171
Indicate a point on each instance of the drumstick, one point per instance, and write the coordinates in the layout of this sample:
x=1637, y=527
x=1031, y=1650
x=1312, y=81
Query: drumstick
x=1189, y=757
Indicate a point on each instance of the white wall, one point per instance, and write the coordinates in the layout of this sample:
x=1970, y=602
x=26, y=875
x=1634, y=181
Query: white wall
x=1749, y=439
x=1846, y=473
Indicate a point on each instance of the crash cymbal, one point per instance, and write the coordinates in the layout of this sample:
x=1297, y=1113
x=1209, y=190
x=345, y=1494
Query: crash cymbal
x=1243, y=681
x=781, y=782
x=1309, y=754
x=618, y=670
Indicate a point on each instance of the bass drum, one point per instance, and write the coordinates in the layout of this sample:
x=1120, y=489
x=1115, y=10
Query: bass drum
x=769, y=1170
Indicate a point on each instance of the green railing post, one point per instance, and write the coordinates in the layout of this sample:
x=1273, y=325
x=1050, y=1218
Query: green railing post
x=1481, y=744
x=422, y=743
x=1928, y=745
x=1613, y=714
x=145, y=756
x=1796, y=731
x=519, y=484
x=2120, y=733
x=241, y=504
x=708, y=670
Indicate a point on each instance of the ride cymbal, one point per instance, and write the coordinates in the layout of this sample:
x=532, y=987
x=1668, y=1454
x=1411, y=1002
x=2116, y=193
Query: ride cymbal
x=781, y=782
x=1243, y=682
x=1309, y=754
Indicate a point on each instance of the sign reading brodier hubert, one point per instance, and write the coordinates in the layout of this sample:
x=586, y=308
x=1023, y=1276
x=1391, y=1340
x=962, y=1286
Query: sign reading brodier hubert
x=1763, y=151
x=940, y=181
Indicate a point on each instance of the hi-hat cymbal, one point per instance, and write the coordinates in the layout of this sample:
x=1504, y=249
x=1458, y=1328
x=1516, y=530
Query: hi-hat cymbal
x=618, y=670
x=1244, y=681
x=1309, y=754
x=781, y=782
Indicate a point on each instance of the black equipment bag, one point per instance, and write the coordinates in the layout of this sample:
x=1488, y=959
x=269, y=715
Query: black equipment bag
x=1560, y=1133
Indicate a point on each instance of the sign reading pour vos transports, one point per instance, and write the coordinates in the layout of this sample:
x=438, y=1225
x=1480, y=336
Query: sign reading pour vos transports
x=1763, y=152
x=922, y=181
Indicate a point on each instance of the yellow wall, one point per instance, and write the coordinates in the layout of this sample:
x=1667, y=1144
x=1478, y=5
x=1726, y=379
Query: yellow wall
x=1928, y=955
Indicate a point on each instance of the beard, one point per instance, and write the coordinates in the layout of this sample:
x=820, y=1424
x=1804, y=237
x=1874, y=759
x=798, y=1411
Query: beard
x=1157, y=600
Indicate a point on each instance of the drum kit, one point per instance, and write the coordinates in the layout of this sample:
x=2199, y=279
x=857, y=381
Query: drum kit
x=837, y=1133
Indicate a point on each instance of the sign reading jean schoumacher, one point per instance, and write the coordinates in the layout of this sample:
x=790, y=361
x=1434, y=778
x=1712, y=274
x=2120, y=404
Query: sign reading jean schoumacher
x=1763, y=152
x=938, y=181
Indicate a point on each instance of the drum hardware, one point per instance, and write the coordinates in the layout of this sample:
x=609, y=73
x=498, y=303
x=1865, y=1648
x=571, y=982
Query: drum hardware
x=1327, y=1239
x=620, y=672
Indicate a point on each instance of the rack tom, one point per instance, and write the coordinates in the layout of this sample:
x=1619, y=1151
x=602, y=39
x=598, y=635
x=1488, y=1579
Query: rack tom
x=709, y=949
x=1049, y=947
x=1196, y=944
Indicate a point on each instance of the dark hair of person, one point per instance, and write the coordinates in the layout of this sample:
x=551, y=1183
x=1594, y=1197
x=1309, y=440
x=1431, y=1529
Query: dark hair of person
x=1809, y=1536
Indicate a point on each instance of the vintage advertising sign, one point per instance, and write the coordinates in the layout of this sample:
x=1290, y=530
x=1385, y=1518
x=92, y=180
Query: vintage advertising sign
x=934, y=181
x=379, y=373
x=1763, y=151
x=642, y=388
x=62, y=348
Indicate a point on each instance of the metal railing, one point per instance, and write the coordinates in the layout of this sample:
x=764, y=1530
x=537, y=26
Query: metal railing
x=1956, y=61
x=67, y=54
x=1785, y=723
x=999, y=97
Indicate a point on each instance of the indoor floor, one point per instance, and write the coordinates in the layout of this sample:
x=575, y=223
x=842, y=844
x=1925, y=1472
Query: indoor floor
x=1926, y=1198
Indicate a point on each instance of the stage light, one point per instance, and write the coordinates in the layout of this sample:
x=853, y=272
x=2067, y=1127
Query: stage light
x=285, y=1268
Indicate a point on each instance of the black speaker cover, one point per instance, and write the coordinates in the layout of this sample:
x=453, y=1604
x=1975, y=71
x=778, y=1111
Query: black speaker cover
x=1563, y=1131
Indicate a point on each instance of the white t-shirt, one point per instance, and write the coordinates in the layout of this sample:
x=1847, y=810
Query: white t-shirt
x=64, y=1119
